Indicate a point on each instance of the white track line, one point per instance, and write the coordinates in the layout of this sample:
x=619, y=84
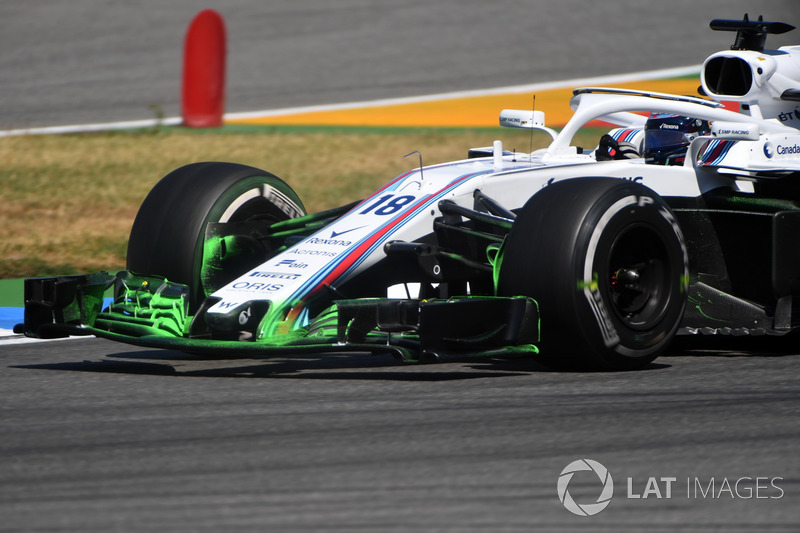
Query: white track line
x=8, y=337
x=513, y=89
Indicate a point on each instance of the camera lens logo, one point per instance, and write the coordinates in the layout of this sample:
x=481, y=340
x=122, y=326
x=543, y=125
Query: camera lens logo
x=588, y=509
x=769, y=150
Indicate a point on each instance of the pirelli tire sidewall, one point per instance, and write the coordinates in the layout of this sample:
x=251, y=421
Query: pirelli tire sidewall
x=565, y=249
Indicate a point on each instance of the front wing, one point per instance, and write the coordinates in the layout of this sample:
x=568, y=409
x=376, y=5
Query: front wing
x=152, y=312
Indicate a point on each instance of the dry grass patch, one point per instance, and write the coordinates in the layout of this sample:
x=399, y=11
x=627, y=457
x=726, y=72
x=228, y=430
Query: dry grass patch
x=69, y=200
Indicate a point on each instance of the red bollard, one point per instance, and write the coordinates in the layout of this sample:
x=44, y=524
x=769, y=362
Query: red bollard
x=203, y=95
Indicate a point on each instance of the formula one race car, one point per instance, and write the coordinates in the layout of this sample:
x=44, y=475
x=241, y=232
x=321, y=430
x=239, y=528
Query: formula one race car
x=586, y=257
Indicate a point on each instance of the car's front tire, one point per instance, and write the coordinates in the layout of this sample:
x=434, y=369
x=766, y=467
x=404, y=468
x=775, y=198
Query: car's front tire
x=169, y=232
x=606, y=260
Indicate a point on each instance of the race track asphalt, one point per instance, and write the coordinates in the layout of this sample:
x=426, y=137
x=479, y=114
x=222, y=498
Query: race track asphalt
x=84, y=61
x=98, y=436
x=102, y=437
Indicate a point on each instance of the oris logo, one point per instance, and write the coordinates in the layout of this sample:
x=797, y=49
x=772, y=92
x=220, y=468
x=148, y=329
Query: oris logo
x=606, y=493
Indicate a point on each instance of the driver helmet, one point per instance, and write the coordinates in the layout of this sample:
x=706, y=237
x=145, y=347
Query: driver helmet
x=667, y=137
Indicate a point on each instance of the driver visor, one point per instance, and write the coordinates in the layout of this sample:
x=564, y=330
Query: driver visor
x=665, y=139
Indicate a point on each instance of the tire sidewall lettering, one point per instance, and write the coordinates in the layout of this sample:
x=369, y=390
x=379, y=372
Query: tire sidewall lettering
x=590, y=275
x=255, y=188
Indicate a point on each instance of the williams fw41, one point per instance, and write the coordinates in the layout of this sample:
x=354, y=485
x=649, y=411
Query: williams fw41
x=685, y=220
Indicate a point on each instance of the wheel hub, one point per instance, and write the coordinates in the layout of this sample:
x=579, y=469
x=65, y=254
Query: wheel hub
x=637, y=278
x=625, y=278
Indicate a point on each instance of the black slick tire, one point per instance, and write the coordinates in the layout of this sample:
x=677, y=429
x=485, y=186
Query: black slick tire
x=168, y=233
x=607, y=263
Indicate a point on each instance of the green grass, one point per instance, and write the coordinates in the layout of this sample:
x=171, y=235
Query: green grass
x=11, y=293
x=68, y=201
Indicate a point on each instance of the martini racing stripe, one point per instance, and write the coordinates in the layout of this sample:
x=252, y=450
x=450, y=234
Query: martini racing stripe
x=361, y=250
x=716, y=151
x=626, y=135
x=391, y=186
x=324, y=273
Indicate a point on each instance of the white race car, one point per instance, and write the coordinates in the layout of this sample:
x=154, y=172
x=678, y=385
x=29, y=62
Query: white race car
x=587, y=258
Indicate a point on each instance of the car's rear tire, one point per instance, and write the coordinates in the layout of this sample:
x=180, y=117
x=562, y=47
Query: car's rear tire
x=606, y=260
x=168, y=234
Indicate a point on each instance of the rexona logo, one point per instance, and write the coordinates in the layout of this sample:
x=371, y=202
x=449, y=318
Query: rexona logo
x=605, y=487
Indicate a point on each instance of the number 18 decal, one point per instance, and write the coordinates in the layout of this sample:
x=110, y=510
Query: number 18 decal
x=387, y=204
